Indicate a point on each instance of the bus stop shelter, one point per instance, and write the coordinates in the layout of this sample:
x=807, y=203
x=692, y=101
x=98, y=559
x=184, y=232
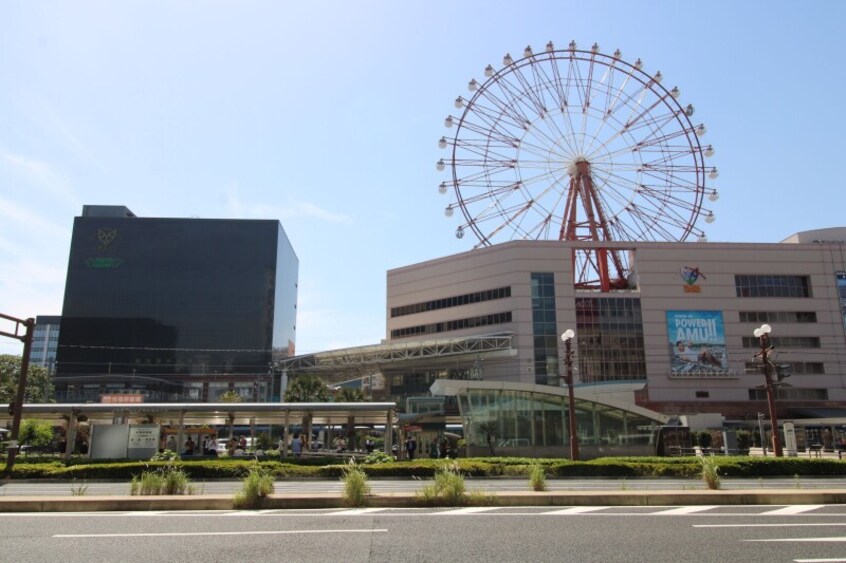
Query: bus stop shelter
x=217, y=414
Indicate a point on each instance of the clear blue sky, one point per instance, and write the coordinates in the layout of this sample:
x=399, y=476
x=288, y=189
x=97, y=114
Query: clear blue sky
x=326, y=116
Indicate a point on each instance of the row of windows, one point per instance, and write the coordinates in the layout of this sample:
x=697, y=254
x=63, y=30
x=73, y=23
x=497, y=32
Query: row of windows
x=458, y=324
x=794, y=368
x=455, y=301
x=778, y=317
x=544, y=327
x=610, y=339
x=772, y=286
x=790, y=393
x=784, y=342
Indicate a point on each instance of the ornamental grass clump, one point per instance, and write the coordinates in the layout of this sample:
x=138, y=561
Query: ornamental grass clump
x=537, y=477
x=710, y=472
x=168, y=481
x=448, y=488
x=356, y=487
x=256, y=487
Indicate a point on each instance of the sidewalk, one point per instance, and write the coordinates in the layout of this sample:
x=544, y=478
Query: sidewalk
x=400, y=500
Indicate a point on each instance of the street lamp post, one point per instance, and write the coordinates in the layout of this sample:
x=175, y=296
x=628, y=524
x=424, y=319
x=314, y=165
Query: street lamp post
x=762, y=333
x=567, y=337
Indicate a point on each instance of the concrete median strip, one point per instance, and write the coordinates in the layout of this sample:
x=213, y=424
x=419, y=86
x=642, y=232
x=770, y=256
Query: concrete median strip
x=398, y=500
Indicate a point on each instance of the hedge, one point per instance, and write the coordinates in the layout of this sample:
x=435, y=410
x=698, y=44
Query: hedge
x=477, y=467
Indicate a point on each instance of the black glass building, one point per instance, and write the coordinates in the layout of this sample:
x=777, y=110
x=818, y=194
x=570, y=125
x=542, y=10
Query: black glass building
x=174, y=309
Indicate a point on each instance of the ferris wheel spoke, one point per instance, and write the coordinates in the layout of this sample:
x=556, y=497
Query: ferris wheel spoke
x=532, y=91
x=549, y=118
x=611, y=107
x=491, y=193
x=491, y=131
x=523, y=102
x=498, y=107
x=483, y=174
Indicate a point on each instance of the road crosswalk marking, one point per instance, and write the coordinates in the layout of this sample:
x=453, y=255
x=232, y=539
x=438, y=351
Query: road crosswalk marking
x=682, y=510
x=577, y=510
x=471, y=510
x=793, y=509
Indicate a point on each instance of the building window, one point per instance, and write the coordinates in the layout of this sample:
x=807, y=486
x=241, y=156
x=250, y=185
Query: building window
x=703, y=394
x=458, y=324
x=790, y=393
x=778, y=317
x=793, y=368
x=772, y=286
x=544, y=329
x=784, y=342
x=609, y=333
x=454, y=301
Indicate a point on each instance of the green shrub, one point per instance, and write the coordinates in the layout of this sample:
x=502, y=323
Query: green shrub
x=537, y=477
x=35, y=432
x=165, y=455
x=356, y=487
x=710, y=472
x=448, y=488
x=169, y=481
x=257, y=485
x=379, y=457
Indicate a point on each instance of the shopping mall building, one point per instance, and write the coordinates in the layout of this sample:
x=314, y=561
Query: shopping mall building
x=681, y=329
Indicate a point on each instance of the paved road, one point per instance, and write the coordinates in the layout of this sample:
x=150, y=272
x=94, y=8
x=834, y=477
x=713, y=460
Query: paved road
x=806, y=534
x=65, y=488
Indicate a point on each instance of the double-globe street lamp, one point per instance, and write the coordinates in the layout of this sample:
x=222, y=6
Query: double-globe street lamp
x=762, y=333
x=567, y=337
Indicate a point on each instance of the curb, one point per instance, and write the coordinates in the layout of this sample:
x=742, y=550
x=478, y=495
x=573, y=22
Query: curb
x=404, y=500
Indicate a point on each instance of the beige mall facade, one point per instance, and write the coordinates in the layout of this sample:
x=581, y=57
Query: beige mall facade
x=678, y=339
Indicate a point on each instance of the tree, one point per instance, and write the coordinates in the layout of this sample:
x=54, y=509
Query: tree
x=231, y=397
x=488, y=430
x=349, y=395
x=39, y=387
x=307, y=389
x=36, y=432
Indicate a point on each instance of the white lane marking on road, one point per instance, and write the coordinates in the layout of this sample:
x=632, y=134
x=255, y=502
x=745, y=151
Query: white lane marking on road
x=781, y=525
x=836, y=560
x=793, y=509
x=806, y=540
x=353, y=511
x=190, y=534
x=576, y=510
x=683, y=510
x=468, y=510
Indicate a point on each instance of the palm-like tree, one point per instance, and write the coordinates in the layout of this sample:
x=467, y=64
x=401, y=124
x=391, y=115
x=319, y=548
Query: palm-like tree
x=350, y=395
x=307, y=389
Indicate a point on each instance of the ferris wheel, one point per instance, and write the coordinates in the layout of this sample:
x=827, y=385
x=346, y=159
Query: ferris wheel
x=578, y=145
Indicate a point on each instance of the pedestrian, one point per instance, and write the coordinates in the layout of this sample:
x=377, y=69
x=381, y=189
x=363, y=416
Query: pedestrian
x=410, y=447
x=297, y=445
x=369, y=445
x=212, y=451
x=189, y=446
x=242, y=442
x=282, y=449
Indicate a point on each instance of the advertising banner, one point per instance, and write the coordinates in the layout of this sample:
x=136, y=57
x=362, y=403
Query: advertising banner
x=697, y=343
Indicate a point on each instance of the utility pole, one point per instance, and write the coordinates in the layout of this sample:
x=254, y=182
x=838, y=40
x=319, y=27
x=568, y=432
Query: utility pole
x=17, y=405
x=763, y=334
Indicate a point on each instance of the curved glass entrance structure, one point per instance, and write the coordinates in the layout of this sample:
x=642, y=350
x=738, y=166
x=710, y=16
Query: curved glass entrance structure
x=505, y=418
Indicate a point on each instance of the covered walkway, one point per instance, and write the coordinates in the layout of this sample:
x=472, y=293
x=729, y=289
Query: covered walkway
x=182, y=415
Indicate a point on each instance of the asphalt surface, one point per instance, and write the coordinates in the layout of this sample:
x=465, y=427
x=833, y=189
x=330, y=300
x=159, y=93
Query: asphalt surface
x=380, y=486
x=708, y=534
